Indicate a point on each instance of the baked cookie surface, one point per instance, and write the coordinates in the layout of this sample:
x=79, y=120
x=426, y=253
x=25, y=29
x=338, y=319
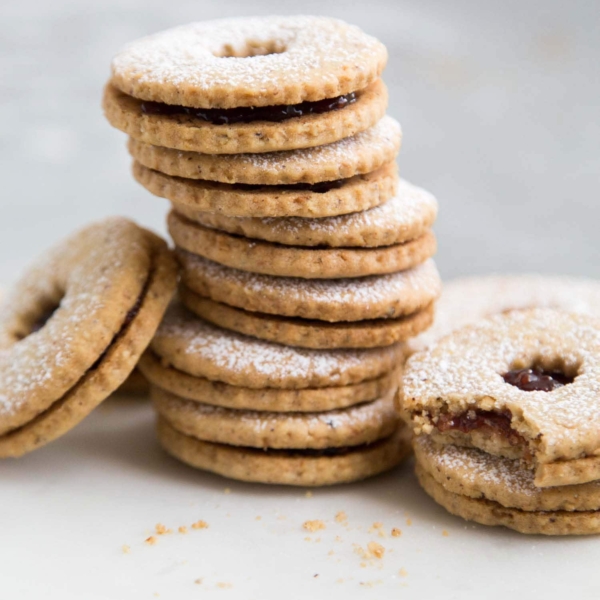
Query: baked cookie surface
x=334, y=300
x=522, y=385
x=406, y=216
x=73, y=327
x=287, y=467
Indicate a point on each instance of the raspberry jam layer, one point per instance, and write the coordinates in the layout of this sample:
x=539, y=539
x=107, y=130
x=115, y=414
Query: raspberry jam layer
x=316, y=188
x=483, y=420
x=536, y=380
x=249, y=114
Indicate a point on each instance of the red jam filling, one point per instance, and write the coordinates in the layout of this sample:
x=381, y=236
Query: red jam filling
x=536, y=380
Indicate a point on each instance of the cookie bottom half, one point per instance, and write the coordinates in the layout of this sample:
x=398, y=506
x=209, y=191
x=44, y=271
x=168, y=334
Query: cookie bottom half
x=284, y=467
x=491, y=513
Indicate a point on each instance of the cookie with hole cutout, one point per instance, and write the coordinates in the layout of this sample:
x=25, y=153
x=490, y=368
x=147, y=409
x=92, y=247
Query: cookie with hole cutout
x=73, y=327
x=248, y=85
x=522, y=385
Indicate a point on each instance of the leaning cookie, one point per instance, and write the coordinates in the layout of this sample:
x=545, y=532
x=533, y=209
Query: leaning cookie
x=248, y=85
x=74, y=326
x=523, y=385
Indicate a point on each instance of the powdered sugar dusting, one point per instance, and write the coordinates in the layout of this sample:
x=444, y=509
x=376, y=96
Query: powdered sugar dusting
x=423, y=280
x=410, y=205
x=466, y=367
x=38, y=369
x=467, y=300
x=205, y=56
x=374, y=413
x=232, y=353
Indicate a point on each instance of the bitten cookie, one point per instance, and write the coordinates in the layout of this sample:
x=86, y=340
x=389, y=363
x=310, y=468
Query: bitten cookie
x=523, y=384
x=248, y=85
x=74, y=326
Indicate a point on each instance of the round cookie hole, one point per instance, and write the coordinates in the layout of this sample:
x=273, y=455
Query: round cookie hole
x=39, y=320
x=541, y=375
x=251, y=48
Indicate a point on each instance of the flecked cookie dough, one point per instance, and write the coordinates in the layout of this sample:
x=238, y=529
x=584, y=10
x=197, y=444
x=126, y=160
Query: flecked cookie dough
x=189, y=133
x=470, y=299
x=360, y=424
x=406, y=216
x=471, y=472
x=360, y=192
x=375, y=297
x=303, y=333
x=257, y=61
x=72, y=329
x=266, y=258
x=487, y=512
x=265, y=399
x=523, y=384
x=287, y=467
x=200, y=349
x=359, y=154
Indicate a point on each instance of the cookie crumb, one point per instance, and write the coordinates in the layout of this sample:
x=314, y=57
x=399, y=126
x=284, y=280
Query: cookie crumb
x=376, y=550
x=151, y=540
x=182, y=529
x=200, y=525
x=224, y=586
x=126, y=549
x=396, y=532
x=330, y=553
x=308, y=494
x=227, y=491
x=161, y=529
x=340, y=581
x=308, y=538
x=341, y=517
x=258, y=518
x=403, y=572
x=314, y=525
x=315, y=575
x=445, y=533
x=409, y=522
x=198, y=581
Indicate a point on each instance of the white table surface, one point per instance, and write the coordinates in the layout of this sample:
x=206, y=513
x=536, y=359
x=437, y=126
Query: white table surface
x=499, y=106
x=69, y=509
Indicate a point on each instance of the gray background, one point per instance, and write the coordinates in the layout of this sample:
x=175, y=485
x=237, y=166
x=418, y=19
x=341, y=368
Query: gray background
x=499, y=103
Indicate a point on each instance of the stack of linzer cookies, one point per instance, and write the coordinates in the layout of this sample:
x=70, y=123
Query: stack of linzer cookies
x=305, y=281
x=306, y=261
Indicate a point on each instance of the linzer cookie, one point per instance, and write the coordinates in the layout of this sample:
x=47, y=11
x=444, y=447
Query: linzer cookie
x=287, y=467
x=258, y=256
x=470, y=299
x=352, y=174
x=309, y=333
x=198, y=348
x=365, y=298
x=270, y=399
x=522, y=385
x=499, y=491
x=248, y=85
x=74, y=326
x=406, y=216
x=360, y=424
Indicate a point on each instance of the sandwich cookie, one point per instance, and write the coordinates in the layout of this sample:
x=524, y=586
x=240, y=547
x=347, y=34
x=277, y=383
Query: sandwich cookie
x=74, y=326
x=232, y=86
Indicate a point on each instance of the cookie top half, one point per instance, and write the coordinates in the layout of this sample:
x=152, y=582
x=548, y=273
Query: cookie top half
x=249, y=62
